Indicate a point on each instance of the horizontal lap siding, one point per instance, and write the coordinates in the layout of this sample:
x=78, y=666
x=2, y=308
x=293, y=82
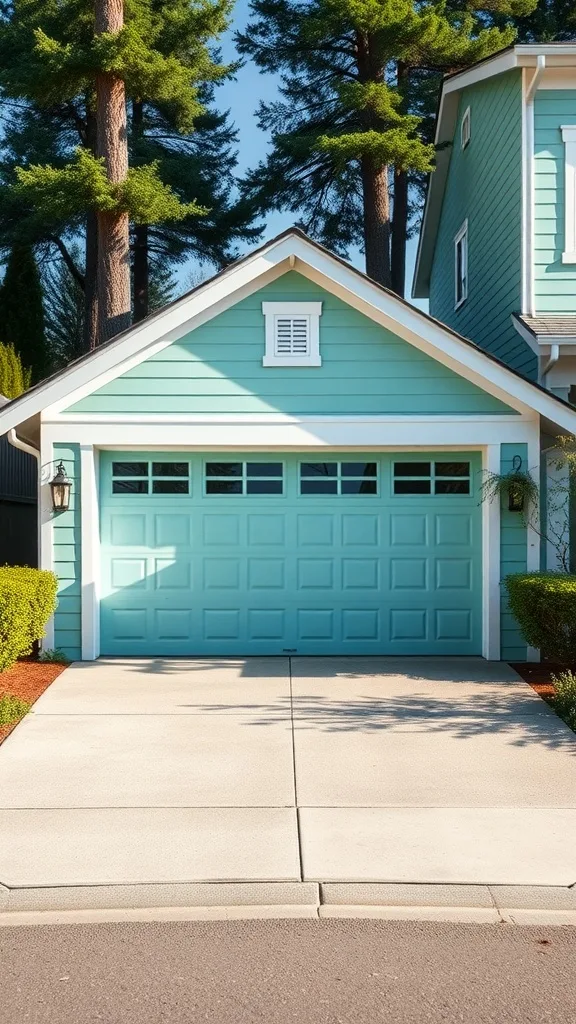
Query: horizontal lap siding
x=68, y=559
x=218, y=369
x=513, y=548
x=484, y=185
x=554, y=282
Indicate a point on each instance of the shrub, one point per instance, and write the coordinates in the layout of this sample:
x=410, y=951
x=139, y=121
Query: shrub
x=54, y=655
x=565, y=698
x=27, y=600
x=12, y=709
x=544, y=604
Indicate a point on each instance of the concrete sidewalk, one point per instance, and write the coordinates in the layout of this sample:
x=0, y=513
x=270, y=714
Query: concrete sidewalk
x=295, y=771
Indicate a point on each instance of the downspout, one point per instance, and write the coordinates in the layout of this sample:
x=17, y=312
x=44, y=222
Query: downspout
x=552, y=360
x=528, y=303
x=23, y=446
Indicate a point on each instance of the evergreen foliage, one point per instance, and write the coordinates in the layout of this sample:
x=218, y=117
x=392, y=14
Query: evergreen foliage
x=49, y=189
x=63, y=311
x=355, y=104
x=22, y=312
x=14, y=378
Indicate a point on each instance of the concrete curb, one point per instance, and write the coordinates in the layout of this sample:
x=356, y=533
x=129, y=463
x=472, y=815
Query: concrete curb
x=227, y=901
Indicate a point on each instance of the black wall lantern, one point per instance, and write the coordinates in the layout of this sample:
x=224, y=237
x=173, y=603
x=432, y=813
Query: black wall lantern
x=60, y=487
x=515, y=491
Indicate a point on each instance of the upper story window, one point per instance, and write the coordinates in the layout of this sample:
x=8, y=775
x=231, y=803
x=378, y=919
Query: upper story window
x=292, y=333
x=465, y=128
x=461, y=266
x=569, y=139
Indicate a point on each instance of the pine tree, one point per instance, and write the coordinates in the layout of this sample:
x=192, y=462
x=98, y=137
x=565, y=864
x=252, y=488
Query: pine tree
x=54, y=55
x=345, y=123
x=14, y=379
x=22, y=313
x=63, y=311
x=552, y=21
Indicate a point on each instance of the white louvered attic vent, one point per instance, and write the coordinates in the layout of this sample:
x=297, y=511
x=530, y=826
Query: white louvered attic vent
x=292, y=333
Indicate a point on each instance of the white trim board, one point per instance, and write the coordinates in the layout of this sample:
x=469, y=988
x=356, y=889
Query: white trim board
x=247, y=276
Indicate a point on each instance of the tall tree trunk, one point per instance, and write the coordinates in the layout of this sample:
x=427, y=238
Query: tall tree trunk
x=400, y=211
x=113, y=228
x=376, y=203
x=91, y=253
x=141, y=262
x=399, y=232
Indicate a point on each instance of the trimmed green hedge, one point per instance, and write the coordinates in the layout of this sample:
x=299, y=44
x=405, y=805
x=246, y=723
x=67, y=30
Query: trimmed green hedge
x=27, y=600
x=544, y=604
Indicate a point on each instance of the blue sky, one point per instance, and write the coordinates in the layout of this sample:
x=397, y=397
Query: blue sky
x=241, y=97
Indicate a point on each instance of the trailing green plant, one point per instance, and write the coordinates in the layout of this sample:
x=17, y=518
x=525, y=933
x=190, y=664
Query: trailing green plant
x=12, y=709
x=516, y=484
x=54, y=655
x=565, y=697
x=544, y=605
x=27, y=600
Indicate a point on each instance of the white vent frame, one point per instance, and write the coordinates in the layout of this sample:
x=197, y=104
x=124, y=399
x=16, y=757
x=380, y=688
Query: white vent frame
x=308, y=311
x=465, y=129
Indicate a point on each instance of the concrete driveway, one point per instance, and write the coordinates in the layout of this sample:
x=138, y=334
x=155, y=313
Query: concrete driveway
x=323, y=769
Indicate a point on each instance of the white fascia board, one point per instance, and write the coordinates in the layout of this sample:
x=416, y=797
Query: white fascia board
x=152, y=334
x=409, y=323
x=437, y=341
x=527, y=335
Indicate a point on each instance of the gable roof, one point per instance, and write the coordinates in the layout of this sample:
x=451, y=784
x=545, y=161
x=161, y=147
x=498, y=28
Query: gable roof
x=524, y=55
x=290, y=250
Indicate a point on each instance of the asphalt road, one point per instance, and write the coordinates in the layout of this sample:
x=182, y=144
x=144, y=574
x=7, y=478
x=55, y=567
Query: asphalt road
x=326, y=972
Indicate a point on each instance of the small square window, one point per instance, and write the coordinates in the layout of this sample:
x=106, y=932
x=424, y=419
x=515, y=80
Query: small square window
x=358, y=469
x=224, y=469
x=263, y=486
x=264, y=469
x=170, y=487
x=321, y=469
x=224, y=487
x=129, y=487
x=169, y=469
x=412, y=487
x=318, y=486
x=411, y=469
x=129, y=469
x=465, y=128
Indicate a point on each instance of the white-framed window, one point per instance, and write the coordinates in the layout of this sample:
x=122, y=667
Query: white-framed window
x=465, y=128
x=569, y=140
x=292, y=333
x=461, y=266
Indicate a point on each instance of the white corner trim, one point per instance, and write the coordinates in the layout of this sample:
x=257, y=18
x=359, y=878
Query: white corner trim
x=90, y=538
x=491, y=598
x=533, y=537
x=461, y=282
x=569, y=139
x=45, y=521
x=273, y=312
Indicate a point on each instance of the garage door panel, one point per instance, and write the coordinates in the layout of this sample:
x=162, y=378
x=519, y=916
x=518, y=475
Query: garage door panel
x=267, y=574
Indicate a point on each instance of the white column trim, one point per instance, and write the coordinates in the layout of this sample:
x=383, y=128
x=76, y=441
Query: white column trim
x=45, y=521
x=491, y=562
x=532, y=536
x=90, y=536
x=569, y=140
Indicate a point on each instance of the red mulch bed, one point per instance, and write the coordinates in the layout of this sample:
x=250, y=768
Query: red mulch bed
x=27, y=679
x=539, y=675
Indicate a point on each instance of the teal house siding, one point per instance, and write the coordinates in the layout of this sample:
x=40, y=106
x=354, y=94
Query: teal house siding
x=554, y=282
x=68, y=558
x=513, y=544
x=484, y=185
x=217, y=368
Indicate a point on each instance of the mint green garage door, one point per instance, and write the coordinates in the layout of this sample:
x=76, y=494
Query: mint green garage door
x=269, y=554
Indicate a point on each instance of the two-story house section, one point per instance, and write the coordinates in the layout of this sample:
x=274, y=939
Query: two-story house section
x=497, y=252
